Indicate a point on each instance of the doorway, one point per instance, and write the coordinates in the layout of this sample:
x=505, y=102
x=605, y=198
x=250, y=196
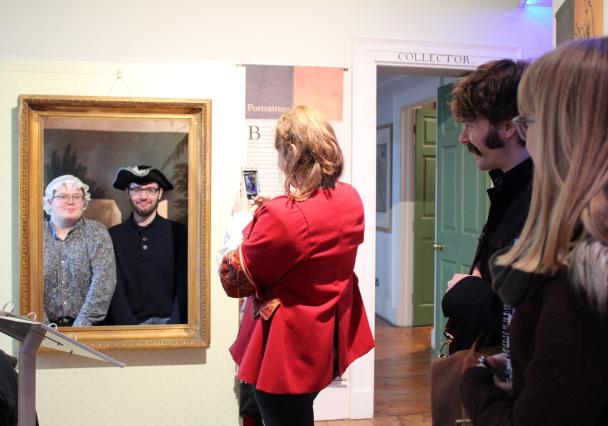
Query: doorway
x=404, y=254
x=368, y=55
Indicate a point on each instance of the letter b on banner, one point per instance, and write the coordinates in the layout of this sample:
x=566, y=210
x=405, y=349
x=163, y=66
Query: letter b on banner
x=254, y=133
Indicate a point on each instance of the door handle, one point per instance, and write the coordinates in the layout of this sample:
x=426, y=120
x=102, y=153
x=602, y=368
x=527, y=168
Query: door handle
x=438, y=246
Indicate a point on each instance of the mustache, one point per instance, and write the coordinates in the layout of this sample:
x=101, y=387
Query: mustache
x=472, y=149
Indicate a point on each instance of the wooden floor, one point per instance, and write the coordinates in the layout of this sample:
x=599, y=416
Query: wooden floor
x=402, y=395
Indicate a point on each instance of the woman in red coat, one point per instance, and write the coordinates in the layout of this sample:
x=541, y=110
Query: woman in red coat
x=306, y=321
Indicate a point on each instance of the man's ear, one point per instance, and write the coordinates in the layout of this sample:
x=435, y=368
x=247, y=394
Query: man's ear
x=507, y=130
x=160, y=193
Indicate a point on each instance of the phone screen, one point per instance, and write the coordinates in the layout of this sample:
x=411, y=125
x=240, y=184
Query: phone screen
x=252, y=184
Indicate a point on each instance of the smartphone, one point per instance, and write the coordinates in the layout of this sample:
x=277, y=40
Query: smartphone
x=252, y=183
x=501, y=373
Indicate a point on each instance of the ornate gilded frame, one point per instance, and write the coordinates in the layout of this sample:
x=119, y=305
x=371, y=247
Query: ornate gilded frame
x=33, y=110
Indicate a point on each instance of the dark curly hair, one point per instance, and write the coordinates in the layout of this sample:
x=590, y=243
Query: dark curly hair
x=490, y=92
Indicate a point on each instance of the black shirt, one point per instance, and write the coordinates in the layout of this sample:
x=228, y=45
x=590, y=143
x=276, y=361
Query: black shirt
x=151, y=263
x=472, y=303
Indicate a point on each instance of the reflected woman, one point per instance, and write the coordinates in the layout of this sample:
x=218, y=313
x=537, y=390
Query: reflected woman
x=79, y=265
x=306, y=321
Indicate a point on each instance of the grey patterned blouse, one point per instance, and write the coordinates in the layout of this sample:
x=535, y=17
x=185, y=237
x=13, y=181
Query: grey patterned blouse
x=79, y=273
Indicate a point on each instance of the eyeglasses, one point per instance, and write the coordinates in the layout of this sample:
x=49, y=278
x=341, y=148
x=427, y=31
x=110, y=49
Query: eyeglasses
x=521, y=125
x=138, y=190
x=65, y=198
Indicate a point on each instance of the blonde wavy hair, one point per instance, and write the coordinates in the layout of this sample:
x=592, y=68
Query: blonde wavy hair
x=565, y=91
x=308, y=145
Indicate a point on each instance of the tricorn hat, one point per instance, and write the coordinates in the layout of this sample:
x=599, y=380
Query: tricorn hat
x=141, y=175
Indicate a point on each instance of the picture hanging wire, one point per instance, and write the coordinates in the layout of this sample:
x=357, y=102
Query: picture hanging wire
x=120, y=79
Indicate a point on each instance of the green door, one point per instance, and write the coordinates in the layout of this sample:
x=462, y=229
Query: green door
x=461, y=205
x=424, y=217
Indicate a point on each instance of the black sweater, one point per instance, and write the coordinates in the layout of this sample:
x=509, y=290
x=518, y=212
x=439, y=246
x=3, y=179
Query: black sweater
x=151, y=265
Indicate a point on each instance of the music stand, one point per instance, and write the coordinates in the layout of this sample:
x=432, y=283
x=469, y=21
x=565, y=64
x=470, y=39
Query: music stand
x=32, y=335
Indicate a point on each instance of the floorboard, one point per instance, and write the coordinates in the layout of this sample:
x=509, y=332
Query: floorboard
x=402, y=385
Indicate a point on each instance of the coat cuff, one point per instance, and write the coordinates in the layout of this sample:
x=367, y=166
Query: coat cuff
x=477, y=389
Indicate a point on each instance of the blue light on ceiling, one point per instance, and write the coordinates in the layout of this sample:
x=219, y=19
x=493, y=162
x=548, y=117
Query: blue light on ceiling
x=541, y=3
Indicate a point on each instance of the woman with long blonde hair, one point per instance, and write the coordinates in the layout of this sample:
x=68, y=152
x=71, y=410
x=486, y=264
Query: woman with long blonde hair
x=556, y=274
x=304, y=322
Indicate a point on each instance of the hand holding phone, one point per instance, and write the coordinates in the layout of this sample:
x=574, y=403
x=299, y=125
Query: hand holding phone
x=252, y=183
x=499, y=372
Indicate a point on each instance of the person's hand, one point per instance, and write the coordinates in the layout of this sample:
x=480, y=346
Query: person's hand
x=459, y=277
x=502, y=385
x=496, y=363
x=455, y=280
x=260, y=199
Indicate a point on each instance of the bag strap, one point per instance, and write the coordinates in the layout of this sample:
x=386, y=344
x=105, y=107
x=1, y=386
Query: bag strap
x=450, y=325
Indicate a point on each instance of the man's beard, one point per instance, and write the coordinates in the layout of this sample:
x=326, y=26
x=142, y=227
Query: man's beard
x=493, y=141
x=144, y=213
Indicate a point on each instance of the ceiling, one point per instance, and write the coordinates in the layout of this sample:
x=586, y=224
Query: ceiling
x=540, y=3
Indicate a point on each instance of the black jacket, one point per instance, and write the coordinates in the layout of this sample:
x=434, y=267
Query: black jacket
x=471, y=305
x=8, y=390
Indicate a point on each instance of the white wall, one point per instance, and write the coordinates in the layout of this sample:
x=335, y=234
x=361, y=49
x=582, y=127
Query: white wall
x=190, y=386
x=316, y=32
x=159, y=387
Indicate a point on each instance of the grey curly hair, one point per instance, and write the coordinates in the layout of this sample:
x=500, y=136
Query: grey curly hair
x=69, y=181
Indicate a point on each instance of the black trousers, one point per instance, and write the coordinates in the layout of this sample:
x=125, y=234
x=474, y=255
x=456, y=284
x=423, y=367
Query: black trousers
x=285, y=410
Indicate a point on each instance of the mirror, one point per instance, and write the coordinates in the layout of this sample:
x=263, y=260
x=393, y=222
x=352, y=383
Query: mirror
x=91, y=138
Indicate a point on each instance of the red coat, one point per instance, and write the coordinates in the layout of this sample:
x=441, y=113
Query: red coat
x=303, y=253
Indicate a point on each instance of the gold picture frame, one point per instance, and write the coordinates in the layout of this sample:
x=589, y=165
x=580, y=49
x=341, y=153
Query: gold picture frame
x=101, y=119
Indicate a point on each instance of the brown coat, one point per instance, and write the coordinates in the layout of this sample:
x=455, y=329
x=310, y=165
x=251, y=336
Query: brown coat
x=559, y=354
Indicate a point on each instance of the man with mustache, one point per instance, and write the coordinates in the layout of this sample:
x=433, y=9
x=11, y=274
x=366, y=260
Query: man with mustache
x=485, y=102
x=151, y=254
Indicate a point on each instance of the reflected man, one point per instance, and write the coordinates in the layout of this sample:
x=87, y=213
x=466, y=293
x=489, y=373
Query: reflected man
x=151, y=254
x=79, y=266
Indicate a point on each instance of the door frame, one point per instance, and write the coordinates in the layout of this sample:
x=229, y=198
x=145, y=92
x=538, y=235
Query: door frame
x=368, y=54
x=405, y=311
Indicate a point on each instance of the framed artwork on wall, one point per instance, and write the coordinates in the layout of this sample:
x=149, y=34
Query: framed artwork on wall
x=92, y=138
x=579, y=19
x=384, y=141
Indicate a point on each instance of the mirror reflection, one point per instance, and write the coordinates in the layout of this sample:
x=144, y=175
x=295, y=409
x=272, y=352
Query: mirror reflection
x=151, y=254
x=115, y=236
x=79, y=263
x=115, y=217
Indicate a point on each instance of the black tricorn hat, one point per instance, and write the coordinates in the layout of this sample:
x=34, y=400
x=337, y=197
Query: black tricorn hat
x=141, y=175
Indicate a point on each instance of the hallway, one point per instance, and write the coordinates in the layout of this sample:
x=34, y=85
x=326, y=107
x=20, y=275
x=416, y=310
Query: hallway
x=402, y=394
